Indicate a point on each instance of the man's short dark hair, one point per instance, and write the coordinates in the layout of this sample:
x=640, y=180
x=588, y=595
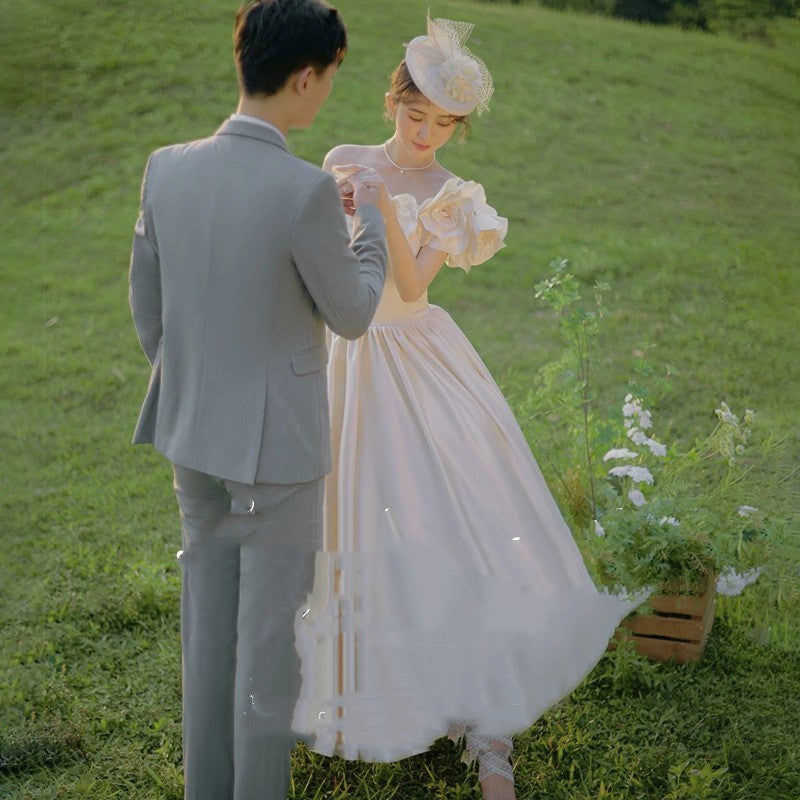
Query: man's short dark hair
x=274, y=38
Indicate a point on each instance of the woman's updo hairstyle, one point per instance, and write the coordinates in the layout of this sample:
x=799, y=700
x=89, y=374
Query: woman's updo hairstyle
x=402, y=89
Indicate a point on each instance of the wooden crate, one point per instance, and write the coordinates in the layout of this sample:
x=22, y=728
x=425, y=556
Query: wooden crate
x=677, y=627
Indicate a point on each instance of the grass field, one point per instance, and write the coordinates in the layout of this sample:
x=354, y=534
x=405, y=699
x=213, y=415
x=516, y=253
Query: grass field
x=667, y=162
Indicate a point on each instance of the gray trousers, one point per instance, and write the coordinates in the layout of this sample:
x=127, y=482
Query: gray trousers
x=247, y=563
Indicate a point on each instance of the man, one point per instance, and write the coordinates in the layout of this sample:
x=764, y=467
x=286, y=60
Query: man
x=240, y=257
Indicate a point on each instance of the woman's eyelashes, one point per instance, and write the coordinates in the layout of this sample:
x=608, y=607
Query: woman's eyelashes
x=441, y=123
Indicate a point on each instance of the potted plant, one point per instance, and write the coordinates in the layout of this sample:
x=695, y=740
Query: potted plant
x=684, y=523
x=673, y=520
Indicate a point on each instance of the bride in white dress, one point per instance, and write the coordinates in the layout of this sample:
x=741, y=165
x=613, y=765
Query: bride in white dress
x=450, y=596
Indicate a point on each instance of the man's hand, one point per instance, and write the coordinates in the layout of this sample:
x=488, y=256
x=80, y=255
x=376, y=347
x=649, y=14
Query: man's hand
x=369, y=192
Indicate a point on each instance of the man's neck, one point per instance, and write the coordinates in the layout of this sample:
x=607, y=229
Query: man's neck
x=267, y=109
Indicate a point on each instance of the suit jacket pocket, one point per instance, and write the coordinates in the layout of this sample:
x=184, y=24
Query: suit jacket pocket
x=311, y=360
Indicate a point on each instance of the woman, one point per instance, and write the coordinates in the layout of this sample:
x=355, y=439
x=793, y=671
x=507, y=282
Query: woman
x=451, y=597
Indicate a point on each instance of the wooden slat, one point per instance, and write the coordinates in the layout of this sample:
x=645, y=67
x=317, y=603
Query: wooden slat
x=688, y=630
x=678, y=604
x=665, y=650
x=691, y=604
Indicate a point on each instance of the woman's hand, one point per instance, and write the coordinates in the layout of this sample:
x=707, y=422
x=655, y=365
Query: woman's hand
x=359, y=186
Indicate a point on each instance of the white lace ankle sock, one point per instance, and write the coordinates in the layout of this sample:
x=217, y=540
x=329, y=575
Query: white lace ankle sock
x=492, y=752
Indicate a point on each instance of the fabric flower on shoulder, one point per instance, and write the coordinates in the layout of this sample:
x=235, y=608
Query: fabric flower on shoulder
x=406, y=210
x=458, y=221
x=488, y=232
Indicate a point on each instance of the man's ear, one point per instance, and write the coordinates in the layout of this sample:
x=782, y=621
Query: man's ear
x=302, y=79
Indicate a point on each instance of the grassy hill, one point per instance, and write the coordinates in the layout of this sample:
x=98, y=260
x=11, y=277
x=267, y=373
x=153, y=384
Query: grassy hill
x=667, y=162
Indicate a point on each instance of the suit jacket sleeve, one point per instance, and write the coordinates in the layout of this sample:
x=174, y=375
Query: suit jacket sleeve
x=145, y=275
x=344, y=277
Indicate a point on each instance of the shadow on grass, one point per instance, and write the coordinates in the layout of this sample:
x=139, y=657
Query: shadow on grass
x=51, y=744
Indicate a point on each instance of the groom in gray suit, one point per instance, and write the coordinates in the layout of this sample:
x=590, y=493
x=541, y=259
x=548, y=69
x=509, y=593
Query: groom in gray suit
x=240, y=257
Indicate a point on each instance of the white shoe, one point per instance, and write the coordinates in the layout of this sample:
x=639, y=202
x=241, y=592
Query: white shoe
x=495, y=773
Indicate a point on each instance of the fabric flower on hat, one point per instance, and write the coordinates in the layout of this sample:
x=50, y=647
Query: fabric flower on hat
x=461, y=77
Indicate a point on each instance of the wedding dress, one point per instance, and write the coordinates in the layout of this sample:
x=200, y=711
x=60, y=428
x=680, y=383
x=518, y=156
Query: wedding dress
x=450, y=592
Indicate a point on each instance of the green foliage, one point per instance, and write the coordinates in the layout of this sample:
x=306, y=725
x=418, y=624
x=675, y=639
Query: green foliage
x=742, y=18
x=647, y=515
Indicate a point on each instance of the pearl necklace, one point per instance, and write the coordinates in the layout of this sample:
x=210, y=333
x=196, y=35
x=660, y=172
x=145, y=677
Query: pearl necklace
x=403, y=170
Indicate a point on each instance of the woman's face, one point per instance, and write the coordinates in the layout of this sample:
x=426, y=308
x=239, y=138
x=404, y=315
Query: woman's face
x=421, y=127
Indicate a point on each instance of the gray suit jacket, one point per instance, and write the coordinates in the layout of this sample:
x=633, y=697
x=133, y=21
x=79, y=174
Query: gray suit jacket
x=240, y=256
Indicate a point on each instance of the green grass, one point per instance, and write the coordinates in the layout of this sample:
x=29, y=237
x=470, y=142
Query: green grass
x=662, y=160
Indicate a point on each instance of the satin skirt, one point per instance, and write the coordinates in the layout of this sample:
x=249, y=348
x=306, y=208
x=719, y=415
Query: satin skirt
x=450, y=589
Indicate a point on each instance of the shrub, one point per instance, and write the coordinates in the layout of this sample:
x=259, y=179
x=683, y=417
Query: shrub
x=743, y=18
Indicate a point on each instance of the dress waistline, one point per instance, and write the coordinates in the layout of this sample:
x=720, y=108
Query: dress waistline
x=408, y=319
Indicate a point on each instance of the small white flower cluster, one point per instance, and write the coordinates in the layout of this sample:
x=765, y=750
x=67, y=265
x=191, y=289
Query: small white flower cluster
x=636, y=474
x=637, y=498
x=731, y=583
x=633, y=408
x=637, y=436
x=637, y=421
x=633, y=599
x=725, y=414
x=622, y=452
x=747, y=511
x=734, y=433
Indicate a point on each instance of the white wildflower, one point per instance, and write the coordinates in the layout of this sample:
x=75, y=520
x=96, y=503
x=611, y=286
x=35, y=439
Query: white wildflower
x=631, y=598
x=746, y=511
x=636, y=474
x=726, y=448
x=633, y=408
x=621, y=452
x=636, y=497
x=656, y=448
x=726, y=415
x=731, y=583
x=749, y=415
x=637, y=436
x=668, y=521
x=598, y=529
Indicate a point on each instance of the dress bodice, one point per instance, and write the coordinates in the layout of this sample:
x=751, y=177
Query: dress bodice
x=392, y=307
x=457, y=221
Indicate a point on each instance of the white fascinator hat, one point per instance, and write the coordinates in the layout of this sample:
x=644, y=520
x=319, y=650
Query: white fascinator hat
x=446, y=72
